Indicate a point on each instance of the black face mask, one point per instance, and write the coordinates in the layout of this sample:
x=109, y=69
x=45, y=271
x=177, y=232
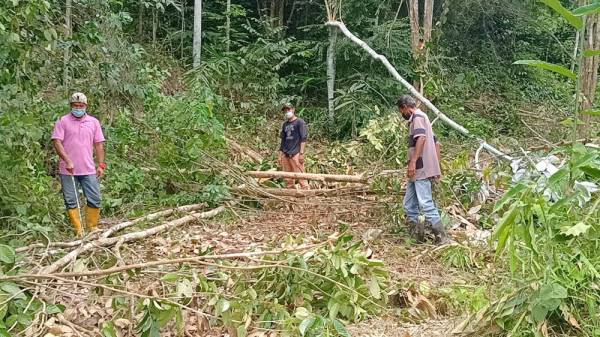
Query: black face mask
x=406, y=117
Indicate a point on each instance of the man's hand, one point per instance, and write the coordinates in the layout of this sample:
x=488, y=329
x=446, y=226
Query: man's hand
x=301, y=158
x=411, y=169
x=69, y=166
x=100, y=172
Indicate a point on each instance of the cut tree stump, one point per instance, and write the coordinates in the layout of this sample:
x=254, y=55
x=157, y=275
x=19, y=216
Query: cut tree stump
x=309, y=176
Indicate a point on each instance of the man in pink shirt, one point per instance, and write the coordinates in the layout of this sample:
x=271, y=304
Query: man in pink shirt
x=76, y=135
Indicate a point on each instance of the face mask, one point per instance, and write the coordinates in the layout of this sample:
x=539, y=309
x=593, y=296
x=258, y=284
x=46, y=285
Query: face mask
x=406, y=117
x=289, y=115
x=78, y=112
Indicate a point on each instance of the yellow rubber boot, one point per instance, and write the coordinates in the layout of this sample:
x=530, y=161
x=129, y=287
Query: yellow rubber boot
x=92, y=216
x=75, y=221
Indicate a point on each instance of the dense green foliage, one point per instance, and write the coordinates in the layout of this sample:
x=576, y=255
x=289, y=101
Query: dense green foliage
x=166, y=124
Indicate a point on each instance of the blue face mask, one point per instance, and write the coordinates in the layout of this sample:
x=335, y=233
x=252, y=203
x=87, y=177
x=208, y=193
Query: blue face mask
x=78, y=112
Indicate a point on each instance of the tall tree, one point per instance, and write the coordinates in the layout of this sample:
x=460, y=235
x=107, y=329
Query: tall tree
x=588, y=74
x=67, y=51
x=228, y=25
x=331, y=72
x=197, y=44
x=420, y=35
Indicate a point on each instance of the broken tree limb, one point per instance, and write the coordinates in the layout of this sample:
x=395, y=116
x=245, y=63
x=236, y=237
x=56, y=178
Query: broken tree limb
x=105, y=242
x=290, y=192
x=412, y=89
x=245, y=151
x=118, y=269
x=309, y=176
x=113, y=229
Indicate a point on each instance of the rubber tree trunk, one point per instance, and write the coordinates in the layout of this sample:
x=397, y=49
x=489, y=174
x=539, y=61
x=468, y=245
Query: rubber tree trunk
x=141, y=21
x=420, y=35
x=182, y=28
x=331, y=72
x=197, y=44
x=588, y=74
x=67, y=52
x=228, y=26
x=154, y=26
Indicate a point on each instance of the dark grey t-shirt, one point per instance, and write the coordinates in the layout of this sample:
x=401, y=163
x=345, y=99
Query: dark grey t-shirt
x=292, y=134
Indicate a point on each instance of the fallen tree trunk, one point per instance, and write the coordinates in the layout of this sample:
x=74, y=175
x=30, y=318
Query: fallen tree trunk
x=113, y=229
x=290, y=192
x=412, y=89
x=309, y=176
x=105, y=242
x=245, y=151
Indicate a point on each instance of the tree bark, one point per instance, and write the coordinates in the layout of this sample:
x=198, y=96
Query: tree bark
x=309, y=176
x=415, y=27
x=197, y=44
x=154, y=27
x=67, y=52
x=589, y=72
x=141, y=21
x=290, y=192
x=182, y=27
x=228, y=26
x=331, y=72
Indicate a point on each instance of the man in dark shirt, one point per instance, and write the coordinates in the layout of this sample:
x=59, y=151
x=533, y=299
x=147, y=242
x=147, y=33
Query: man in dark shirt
x=293, y=139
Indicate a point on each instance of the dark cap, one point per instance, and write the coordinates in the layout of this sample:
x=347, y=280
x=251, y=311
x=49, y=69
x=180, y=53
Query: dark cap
x=287, y=106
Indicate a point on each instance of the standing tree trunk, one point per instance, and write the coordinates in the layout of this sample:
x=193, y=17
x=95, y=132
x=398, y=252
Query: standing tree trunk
x=420, y=35
x=154, y=27
x=67, y=55
x=331, y=72
x=197, y=44
x=228, y=25
x=182, y=27
x=141, y=21
x=588, y=74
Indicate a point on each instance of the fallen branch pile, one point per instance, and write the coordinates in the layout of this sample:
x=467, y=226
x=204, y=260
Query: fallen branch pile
x=109, y=241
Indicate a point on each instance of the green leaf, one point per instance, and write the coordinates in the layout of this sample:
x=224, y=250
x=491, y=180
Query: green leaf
x=588, y=9
x=508, y=196
x=539, y=313
x=505, y=225
x=54, y=309
x=185, y=288
x=13, y=290
x=170, y=277
x=549, y=66
x=591, y=171
x=241, y=331
x=558, y=176
x=222, y=305
x=340, y=328
x=374, y=288
x=591, y=112
x=108, y=329
x=7, y=254
x=565, y=13
x=591, y=52
x=576, y=230
x=306, y=324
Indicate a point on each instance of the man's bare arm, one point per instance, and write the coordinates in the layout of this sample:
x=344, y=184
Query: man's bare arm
x=99, y=147
x=302, y=147
x=60, y=150
x=438, y=151
x=419, y=148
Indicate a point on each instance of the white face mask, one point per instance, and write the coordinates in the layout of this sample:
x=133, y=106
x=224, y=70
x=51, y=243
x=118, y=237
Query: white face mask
x=289, y=114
